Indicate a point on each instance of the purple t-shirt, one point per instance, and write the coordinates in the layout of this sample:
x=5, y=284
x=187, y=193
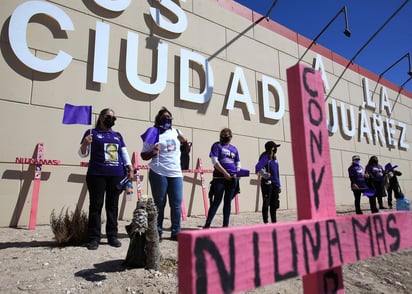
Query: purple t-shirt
x=228, y=157
x=376, y=171
x=271, y=166
x=357, y=176
x=105, y=155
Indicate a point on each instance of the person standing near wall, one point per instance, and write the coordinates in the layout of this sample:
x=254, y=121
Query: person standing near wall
x=268, y=169
x=104, y=173
x=376, y=174
x=358, y=184
x=391, y=182
x=226, y=162
x=161, y=145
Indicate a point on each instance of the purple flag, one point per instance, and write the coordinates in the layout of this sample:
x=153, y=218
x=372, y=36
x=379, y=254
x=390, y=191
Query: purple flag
x=81, y=115
x=369, y=192
x=242, y=173
x=151, y=135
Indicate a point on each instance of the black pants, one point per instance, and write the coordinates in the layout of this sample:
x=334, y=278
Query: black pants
x=221, y=189
x=99, y=186
x=380, y=192
x=270, y=195
x=372, y=204
x=357, y=194
x=390, y=196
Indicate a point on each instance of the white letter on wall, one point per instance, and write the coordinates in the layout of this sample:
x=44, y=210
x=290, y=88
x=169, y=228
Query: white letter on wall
x=101, y=52
x=345, y=125
x=266, y=82
x=178, y=27
x=364, y=128
x=185, y=94
x=384, y=103
x=114, y=5
x=391, y=129
x=239, y=80
x=332, y=128
x=378, y=132
x=132, y=57
x=366, y=95
x=18, y=30
x=320, y=66
x=402, y=135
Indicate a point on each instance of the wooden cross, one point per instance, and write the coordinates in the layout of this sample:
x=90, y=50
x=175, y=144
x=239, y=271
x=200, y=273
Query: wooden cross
x=228, y=260
x=38, y=161
x=201, y=171
x=197, y=182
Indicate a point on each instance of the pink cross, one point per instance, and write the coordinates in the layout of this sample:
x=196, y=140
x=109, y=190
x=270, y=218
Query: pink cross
x=228, y=260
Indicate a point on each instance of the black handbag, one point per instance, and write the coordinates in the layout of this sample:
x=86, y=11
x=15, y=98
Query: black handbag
x=185, y=155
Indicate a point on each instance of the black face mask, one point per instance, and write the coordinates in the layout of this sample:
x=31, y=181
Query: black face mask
x=225, y=139
x=109, y=121
x=165, y=123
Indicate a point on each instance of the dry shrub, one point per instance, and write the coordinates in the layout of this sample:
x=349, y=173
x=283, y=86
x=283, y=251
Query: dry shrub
x=69, y=228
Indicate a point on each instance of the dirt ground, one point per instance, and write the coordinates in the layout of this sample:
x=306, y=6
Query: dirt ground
x=31, y=262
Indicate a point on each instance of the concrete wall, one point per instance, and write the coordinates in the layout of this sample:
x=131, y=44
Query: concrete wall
x=230, y=36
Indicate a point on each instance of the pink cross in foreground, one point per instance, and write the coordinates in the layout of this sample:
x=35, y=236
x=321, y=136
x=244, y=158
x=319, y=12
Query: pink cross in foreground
x=229, y=260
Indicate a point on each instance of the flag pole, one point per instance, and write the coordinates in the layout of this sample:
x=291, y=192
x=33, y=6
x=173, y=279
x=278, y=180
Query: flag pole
x=91, y=122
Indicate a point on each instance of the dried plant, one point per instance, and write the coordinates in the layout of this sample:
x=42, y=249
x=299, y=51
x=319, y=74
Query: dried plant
x=69, y=228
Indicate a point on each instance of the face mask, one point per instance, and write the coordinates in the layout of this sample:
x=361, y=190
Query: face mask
x=356, y=161
x=165, y=123
x=224, y=140
x=109, y=121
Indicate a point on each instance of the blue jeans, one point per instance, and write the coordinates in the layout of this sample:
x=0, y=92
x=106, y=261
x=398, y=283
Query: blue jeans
x=221, y=187
x=173, y=187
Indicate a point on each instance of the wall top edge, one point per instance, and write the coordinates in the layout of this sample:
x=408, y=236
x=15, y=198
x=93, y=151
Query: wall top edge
x=301, y=40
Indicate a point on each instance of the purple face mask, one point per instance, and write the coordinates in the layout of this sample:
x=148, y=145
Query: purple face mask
x=356, y=161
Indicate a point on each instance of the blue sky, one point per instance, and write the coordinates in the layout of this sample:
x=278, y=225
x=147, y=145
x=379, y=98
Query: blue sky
x=365, y=18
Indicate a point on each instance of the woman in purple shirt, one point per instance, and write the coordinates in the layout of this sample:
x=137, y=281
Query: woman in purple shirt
x=359, y=185
x=376, y=174
x=108, y=159
x=226, y=163
x=268, y=168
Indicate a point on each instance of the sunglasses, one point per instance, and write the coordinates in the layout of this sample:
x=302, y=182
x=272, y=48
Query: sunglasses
x=112, y=117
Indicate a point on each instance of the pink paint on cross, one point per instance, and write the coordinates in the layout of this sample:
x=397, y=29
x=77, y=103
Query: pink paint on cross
x=312, y=166
x=36, y=186
x=229, y=260
x=241, y=258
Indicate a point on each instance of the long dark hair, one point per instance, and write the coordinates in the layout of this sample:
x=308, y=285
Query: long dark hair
x=263, y=153
x=373, y=160
x=159, y=115
x=100, y=118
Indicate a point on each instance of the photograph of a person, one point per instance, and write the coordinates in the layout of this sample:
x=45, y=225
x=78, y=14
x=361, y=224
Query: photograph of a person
x=111, y=152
